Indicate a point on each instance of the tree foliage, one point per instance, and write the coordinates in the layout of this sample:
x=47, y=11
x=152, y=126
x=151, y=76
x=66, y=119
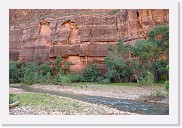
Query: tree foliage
x=150, y=53
x=56, y=68
x=15, y=71
x=90, y=73
x=145, y=58
x=117, y=63
x=160, y=36
x=166, y=83
x=145, y=62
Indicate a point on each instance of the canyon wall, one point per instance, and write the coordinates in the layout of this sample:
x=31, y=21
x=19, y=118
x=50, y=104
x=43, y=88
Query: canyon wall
x=78, y=36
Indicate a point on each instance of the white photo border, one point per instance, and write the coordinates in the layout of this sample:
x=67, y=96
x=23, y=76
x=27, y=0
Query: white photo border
x=171, y=119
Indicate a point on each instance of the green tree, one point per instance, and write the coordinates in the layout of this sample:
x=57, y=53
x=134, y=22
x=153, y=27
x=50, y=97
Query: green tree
x=57, y=79
x=147, y=53
x=48, y=78
x=161, y=72
x=166, y=83
x=67, y=66
x=44, y=68
x=57, y=65
x=65, y=80
x=90, y=73
x=150, y=52
x=127, y=61
x=160, y=36
x=31, y=74
x=15, y=74
x=148, y=79
x=117, y=63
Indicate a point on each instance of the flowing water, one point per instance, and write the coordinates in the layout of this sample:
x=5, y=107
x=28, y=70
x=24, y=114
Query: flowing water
x=134, y=106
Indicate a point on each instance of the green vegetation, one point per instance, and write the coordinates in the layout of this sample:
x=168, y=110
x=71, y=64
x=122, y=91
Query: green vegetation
x=43, y=100
x=44, y=104
x=15, y=73
x=166, y=83
x=90, y=73
x=147, y=80
x=50, y=73
x=47, y=103
x=119, y=69
x=11, y=98
x=144, y=63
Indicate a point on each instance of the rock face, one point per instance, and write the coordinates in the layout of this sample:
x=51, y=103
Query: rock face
x=78, y=36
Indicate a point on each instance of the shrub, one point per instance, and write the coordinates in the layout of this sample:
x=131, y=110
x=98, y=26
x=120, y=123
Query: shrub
x=166, y=83
x=147, y=80
x=99, y=79
x=160, y=70
x=57, y=65
x=76, y=77
x=117, y=63
x=48, y=78
x=67, y=67
x=44, y=68
x=65, y=80
x=31, y=74
x=109, y=76
x=57, y=79
x=14, y=72
x=90, y=73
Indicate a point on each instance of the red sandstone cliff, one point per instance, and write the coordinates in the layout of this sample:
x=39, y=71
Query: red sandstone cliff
x=77, y=35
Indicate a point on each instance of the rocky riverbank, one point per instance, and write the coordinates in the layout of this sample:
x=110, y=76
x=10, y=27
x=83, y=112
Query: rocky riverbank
x=149, y=94
x=82, y=108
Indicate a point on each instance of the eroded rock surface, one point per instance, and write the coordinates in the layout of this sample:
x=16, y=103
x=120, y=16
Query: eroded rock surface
x=78, y=36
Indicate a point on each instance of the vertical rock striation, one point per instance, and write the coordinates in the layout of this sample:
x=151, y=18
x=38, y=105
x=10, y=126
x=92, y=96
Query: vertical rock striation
x=78, y=36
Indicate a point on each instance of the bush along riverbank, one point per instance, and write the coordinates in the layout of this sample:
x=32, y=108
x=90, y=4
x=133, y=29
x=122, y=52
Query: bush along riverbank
x=140, y=67
x=144, y=63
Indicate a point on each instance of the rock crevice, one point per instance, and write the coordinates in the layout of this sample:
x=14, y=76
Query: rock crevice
x=80, y=37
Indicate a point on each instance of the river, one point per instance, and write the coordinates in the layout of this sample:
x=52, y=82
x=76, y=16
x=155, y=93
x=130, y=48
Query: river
x=134, y=106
